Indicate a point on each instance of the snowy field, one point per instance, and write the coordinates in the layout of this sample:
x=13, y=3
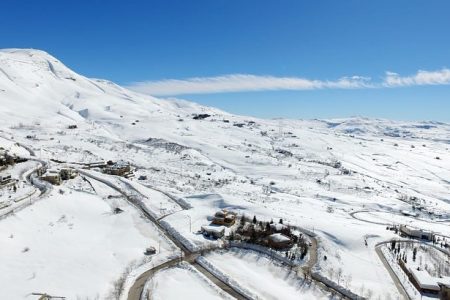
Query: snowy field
x=265, y=278
x=72, y=245
x=183, y=282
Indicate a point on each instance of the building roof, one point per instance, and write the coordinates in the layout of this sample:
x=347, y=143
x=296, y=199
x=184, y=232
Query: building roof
x=277, y=227
x=215, y=229
x=5, y=176
x=279, y=238
x=220, y=214
x=425, y=280
x=412, y=230
x=121, y=164
x=51, y=172
x=444, y=280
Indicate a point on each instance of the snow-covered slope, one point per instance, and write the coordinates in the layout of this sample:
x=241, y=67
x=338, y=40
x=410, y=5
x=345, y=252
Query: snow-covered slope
x=36, y=87
x=344, y=179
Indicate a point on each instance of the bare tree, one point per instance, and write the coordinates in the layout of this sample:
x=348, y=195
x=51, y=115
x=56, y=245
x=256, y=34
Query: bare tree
x=339, y=275
x=349, y=281
x=362, y=289
x=369, y=294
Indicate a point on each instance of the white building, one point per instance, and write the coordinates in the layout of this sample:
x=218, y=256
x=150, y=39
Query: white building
x=213, y=231
x=416, y=232
x=425, y=281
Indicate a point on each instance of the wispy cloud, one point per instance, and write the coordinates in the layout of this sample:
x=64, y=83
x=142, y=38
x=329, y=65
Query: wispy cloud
x=247, y=83
x=440, y=77
x=242, y=83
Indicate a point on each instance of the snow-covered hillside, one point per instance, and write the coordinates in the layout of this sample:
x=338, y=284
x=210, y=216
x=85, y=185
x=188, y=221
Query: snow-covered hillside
x=37, y=87
x=343, y=180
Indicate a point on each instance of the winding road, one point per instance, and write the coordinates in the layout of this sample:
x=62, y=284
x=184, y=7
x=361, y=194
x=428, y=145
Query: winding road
x=188, y=256
x=136, y=290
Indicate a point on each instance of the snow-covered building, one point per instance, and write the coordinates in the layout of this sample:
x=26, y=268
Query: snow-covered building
x=2, y=157
x=426, y=283
x=279, y=241
x=53, y=176
x=277, y=228
x=215, y=232
x=5, y=179
x=6, y=158
x=119, y=168
x=150, y=251
x=68, y=173
x=416, y=232
x=56, y=176
x=445, y=291
x=224, y=217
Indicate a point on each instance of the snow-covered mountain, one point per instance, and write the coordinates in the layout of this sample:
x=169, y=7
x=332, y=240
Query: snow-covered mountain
x=342, y=181
x=37, y=87
x=34, y=84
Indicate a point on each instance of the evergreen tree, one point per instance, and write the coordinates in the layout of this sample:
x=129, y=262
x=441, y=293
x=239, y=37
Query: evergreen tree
x=392, y=245
x=267, y=227
x=242, y=221
x=304, y=252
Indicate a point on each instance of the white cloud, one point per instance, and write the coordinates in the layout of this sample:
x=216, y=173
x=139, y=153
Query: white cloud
x=247, y=83
x=440, y=77
x=242, y=83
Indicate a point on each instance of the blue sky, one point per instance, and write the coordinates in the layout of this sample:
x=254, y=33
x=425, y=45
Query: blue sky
x=297, y=59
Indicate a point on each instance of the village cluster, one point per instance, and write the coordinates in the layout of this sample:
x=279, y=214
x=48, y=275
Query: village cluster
x=9, y=185
x=8, y=159
x=57, y=175
x=14, y=190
